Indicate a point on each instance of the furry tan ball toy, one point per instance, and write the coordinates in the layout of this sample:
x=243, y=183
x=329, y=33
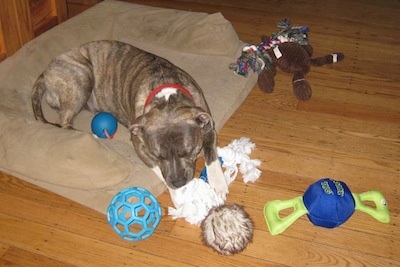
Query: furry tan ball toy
x=227, y=229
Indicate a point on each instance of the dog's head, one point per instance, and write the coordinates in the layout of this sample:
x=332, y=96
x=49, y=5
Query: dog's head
x=172, y=141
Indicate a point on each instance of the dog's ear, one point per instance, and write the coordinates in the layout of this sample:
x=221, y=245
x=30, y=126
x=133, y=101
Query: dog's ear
x=203, y=118
x=205, y=121
x=136, y=129
x=138, y=126
x=137, y=133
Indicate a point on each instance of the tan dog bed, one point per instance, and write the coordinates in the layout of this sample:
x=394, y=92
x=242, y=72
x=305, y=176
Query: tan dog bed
x=76, y=165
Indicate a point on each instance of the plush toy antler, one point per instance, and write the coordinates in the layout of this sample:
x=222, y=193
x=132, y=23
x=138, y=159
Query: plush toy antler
x=288, y=50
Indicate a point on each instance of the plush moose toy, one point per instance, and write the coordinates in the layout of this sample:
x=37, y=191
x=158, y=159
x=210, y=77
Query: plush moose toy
x=288, y=50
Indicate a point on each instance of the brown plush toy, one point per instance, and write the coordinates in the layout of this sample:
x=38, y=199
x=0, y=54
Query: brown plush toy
x=288, y=50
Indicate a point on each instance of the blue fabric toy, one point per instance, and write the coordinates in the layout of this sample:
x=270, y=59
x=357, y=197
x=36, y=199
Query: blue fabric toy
x=327, y=203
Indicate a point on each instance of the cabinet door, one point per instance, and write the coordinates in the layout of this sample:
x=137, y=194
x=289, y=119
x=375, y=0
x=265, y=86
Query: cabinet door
x=16, y=26
x=22, y=20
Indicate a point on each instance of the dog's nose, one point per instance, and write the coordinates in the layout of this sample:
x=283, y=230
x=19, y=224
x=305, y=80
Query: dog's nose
x=179, y=182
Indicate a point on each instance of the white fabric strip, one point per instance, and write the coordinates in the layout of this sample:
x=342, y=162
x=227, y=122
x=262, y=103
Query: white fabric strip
x=334, y=58
x=277, y=52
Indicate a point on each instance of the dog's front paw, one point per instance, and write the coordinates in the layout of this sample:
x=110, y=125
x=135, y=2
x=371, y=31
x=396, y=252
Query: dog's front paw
x=217, y=180
x=221, y=189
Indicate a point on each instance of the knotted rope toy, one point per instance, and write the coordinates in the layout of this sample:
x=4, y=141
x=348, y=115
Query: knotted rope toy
x=328, y=203
x=226, y=228
x=288, y=49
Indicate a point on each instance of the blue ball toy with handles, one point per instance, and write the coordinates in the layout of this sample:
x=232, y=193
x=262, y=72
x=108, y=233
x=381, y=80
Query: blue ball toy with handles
x=104, y=125
x=327, y=203
x=134, y=214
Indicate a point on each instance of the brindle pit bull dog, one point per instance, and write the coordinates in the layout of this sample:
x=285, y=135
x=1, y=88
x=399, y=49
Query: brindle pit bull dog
x=161, y=104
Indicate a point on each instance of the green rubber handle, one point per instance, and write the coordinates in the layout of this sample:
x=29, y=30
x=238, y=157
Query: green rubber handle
x=381, y=210
x=276, y=224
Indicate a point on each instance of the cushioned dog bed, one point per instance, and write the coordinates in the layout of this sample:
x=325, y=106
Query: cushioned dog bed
x=75, y=164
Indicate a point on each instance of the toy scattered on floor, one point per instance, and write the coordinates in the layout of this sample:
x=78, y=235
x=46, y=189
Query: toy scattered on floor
x=287, y=49
x=194, y=200
x=134, y=213
x=104, y=125
x=327, y=203
x=226, y=228
x=234, y=158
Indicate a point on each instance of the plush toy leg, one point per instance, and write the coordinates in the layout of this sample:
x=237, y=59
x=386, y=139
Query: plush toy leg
x=301, y=88
x=276, y=224
x=328, y=59
x=266, y=80
x=380, y=212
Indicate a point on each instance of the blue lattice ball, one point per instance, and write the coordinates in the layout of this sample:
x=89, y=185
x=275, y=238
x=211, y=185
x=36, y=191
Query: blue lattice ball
x=134, y=213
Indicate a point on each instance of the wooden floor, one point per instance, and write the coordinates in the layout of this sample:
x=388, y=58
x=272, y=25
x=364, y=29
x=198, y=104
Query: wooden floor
x=349, y=131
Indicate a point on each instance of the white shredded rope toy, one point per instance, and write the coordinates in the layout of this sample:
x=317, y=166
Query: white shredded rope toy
x=237, y=153
x=194, y=200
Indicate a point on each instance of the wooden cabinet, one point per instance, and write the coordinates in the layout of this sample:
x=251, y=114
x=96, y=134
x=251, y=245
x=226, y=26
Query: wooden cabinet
x=23, y=20
x=77, y=6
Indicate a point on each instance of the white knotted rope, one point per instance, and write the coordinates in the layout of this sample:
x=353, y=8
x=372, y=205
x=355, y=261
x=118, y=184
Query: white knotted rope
x=194, y=200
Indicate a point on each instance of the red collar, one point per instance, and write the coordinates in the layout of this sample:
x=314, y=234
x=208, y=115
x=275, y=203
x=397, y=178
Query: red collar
x=167, y=85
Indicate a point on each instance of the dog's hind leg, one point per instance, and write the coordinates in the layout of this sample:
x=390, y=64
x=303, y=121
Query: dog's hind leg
x=67, y=105
x=68, y=87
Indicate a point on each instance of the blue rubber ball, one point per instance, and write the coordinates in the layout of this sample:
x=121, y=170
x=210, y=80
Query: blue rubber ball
x=104, y=125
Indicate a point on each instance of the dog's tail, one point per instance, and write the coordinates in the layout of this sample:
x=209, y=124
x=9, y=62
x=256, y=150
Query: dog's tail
x=328, y=59
x=37, y=95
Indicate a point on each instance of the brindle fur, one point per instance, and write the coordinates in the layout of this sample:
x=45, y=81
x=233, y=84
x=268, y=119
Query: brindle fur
x=168, y=135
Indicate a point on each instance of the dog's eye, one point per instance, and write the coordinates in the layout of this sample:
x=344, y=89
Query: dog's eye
x=189, y=152
x=158, y=156
x=155, y=152
x=182, y=155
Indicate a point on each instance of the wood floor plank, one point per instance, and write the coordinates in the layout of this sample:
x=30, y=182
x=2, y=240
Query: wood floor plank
x=61, y=245
x=50, y=219
x=19, y=257
x=301, y=253
x=3, y=249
